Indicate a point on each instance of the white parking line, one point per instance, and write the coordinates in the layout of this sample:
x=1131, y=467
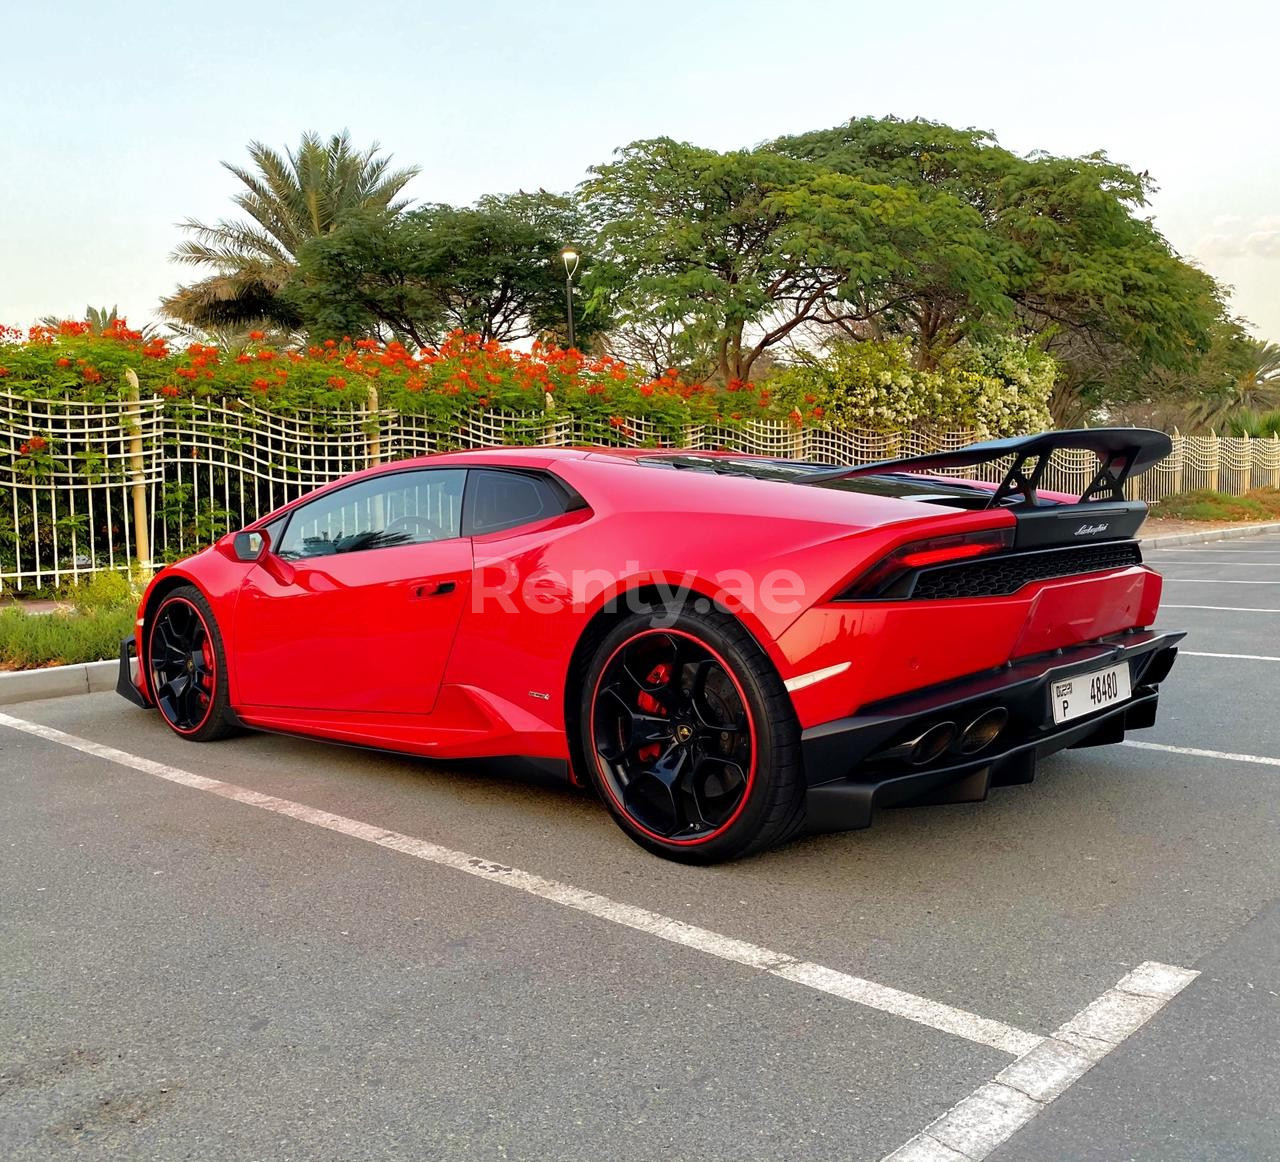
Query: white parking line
x=933, y=1014
x=1241, y=657
x=975, y=1126
x=1214, y=581
x=1197, y=752
x=1220, y=608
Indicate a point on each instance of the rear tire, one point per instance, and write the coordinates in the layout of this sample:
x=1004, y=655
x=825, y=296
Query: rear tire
x=690, y=738
x=187, y=667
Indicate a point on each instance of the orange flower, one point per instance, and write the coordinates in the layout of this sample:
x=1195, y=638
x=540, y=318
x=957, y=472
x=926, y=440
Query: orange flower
x=257, y=336
x=64, y=362
x=262, y=384
x=336, y=382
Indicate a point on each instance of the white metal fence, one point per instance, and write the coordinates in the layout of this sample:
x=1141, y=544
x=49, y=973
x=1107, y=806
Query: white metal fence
x=93, y=486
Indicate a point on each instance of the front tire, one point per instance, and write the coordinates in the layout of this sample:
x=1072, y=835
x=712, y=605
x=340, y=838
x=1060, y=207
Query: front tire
x=690, y=738
x=187, y=666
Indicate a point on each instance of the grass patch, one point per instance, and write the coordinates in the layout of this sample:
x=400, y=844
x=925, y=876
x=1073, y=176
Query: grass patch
x=1259, y=505
x=99, y=616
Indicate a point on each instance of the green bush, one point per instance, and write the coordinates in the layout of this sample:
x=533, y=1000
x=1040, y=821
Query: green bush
x=98, y=616
x=1262, y=504
x=1259, y=425
x=997, y=389
x=462, y=375
x=994, y=389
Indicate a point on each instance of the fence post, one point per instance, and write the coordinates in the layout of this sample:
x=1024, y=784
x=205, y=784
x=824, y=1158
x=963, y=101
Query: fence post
x=1215, y=459
x=374, y=427
x=1178, y=455
x=137, y=472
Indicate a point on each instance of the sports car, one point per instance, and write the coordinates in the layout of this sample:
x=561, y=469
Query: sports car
x=729, y=649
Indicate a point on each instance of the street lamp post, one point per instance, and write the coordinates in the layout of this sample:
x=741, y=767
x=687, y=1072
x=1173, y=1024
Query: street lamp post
x=570, y=257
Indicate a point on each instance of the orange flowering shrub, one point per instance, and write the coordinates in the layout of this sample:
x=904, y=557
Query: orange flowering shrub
x=462, y=375
x=71, y=361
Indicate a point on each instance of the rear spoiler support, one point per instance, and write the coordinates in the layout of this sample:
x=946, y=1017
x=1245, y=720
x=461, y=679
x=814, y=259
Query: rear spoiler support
x=1121, y=452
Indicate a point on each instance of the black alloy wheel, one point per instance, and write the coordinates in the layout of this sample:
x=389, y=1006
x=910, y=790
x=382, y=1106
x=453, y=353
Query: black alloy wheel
x=186, y=666
x=673, y=734
x=690, y=739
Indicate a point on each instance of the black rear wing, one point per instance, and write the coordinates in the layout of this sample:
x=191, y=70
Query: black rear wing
x=1121, y=452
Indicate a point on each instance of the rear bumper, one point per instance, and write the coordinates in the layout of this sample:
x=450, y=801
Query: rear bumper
x=125, y=685
x=847, y=783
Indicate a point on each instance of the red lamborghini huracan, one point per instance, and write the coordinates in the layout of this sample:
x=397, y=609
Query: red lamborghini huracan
x=728, y=649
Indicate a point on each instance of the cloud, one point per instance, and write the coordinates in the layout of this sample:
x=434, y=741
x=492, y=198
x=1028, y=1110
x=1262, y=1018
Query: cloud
x=1257, y=239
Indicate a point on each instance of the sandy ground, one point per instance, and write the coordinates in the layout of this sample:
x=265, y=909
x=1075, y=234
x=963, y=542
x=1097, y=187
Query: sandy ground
x=1169, y=526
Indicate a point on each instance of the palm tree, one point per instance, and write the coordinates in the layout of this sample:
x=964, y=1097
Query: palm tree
x=1260, y=379
x=1255, y=424
x=99, y=319
x=288, y=200
x=1250, y=382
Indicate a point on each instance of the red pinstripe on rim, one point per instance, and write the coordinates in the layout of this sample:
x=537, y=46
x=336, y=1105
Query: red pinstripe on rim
x=211, y=657
x=606, y=777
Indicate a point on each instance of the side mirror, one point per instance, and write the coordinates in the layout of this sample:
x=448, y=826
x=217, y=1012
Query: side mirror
x=250, y=546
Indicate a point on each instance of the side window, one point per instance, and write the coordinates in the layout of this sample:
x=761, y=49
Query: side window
x=503, y=500
x=398, y=508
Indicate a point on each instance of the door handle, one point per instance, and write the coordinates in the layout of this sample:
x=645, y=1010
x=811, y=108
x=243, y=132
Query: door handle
x=434, y=588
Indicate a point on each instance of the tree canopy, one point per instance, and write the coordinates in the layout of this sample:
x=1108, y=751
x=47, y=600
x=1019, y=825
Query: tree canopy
x=492, y=269
x=883, y=227
x=727, y=263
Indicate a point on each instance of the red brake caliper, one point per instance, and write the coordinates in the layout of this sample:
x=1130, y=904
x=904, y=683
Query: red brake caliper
x=206, y=650
x=660, y=675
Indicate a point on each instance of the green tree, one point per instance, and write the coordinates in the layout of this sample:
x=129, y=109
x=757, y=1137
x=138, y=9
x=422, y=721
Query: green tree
x=1081, y=266
x=719, y=258
x=1245, y=379
x=492, y=269
x=288, y=200
x=691, y=247
x=876, y=229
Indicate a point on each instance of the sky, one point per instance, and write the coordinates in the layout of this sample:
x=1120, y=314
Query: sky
x=114, y=117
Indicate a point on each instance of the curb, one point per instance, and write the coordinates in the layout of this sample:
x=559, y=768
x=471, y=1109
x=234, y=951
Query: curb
x=57, y=681
x=1209, y=535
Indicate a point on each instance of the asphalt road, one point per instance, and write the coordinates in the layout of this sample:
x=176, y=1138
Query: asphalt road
x=187, y=976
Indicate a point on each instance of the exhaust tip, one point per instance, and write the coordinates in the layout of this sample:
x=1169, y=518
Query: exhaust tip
x=983, y=730
x=932, y=744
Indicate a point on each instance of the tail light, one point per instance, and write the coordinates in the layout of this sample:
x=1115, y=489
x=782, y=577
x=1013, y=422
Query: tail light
x=878, y=580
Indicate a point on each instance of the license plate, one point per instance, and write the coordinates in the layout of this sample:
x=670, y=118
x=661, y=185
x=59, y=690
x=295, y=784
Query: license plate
x=1085, y=693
